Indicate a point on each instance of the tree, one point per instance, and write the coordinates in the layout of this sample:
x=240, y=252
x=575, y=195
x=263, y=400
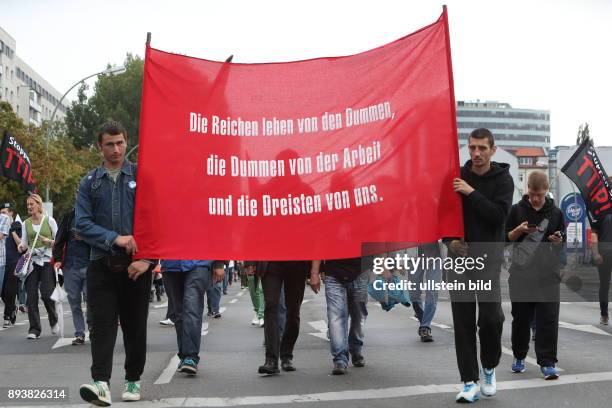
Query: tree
x=61, y=165
x=115, y=97
x=583, y=134
x=81, y=120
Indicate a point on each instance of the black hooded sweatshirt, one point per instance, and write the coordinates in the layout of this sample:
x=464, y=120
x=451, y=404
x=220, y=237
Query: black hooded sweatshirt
x=485, y=209
x=547, y=256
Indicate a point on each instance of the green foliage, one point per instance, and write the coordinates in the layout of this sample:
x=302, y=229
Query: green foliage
x=115, y=97
x=57, y=163
x=81, y=119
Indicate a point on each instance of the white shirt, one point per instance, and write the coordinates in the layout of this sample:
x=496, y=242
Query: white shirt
x=39, y=256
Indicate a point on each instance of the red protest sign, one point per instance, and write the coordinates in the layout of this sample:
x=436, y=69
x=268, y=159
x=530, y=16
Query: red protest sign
x=299, y=160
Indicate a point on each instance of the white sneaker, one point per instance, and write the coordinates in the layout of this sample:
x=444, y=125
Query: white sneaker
x=131, y=391
x=7, y=324
x=255, y=321
x=261, y=322
x=55, y=328
x=96, y=393
x=32, y=336
x=166, y=322
x=469, y=393
x=488, y=386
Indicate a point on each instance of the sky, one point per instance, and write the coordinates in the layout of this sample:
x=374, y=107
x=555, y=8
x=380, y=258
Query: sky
x=535, y=54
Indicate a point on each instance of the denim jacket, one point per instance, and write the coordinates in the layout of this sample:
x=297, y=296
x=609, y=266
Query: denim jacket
x=104, y=209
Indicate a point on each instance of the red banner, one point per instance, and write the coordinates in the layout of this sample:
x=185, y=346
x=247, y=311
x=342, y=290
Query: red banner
x=299, y=160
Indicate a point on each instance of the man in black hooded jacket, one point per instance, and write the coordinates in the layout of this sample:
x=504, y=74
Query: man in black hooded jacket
x=486, y=190
x=537, y=228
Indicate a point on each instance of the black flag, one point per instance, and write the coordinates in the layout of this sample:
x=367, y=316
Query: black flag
x=587, y=172
x=15, y=163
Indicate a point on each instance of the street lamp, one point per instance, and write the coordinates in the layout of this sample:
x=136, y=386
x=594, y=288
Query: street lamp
x=108, y=71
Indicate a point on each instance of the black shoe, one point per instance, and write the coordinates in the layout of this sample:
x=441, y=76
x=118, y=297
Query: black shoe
x=339, y=368
x=216, y=315
x=209, y=313
x=269, y=368
x=78, y=340
x=287, y=365
x=425, y=334
x=358, y=360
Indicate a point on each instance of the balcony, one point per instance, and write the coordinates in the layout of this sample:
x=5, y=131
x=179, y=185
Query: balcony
x=35, y=106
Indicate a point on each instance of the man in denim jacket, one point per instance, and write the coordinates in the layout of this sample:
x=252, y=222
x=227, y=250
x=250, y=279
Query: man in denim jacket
x=117, y=286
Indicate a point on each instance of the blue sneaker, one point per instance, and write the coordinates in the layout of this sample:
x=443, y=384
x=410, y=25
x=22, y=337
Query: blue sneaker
x=469, y=393
x=518, y=366
x=549, y=372
x=188, y=366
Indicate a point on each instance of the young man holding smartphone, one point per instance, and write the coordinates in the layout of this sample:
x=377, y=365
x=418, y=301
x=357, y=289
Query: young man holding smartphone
x=537, y=228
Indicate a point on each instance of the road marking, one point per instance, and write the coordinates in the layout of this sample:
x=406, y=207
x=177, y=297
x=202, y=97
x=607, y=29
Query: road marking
x=62, y=342
x=320, y=335
x=168, y=373
x=504, y=349
x=240, y=293
x=233, y=300
x=165, y=304
x=321, y=327
x=528, y=359
x=439, y=325
x=355, y=395
x=587, y=328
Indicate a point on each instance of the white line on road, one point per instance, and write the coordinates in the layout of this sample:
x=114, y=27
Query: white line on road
x=439, y=325
x=240, y=293
x=233, y=300
x=366, y=394
x=168, y=373
x=320, y=335
x=587, y=328
x=528, y=359
x=320, y=325
x=62, y=342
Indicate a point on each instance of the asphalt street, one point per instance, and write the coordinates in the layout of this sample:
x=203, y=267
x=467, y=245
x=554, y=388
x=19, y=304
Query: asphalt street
x=400, y=371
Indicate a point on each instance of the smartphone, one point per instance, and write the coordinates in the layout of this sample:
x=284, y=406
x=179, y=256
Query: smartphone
x=531, y=226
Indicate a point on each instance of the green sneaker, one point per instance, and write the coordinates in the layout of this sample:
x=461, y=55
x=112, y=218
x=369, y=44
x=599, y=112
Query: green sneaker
x=96, y=393
x=131, y=391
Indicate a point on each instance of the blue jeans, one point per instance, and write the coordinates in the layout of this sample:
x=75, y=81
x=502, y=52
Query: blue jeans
x=425, y=313
x=185, y=292
x=75, y=283
x=213, y=297
x=2, y=267
x=227, y=278
x=344, y=300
